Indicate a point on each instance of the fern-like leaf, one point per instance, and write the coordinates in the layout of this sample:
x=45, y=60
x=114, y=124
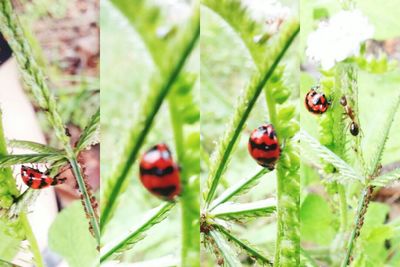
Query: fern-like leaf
x=387, y=179
x=245, y=245
x=9, y=160
x=230, y=256
x=235, y=211
x=240, y=188
x=138, y=232
x=380, y=145
x=33, y=146
x=346, y=172
x=91, y=134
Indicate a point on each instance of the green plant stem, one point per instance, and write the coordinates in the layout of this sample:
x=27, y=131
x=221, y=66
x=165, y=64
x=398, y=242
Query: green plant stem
x=353, y=235
x=138, y=139
x=242, y=112
x=190, y=245
x=32, y=240
x=86, y=197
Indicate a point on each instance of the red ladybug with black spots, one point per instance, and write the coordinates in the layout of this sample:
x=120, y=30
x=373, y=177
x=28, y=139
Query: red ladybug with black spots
x=36, y=179
x=316, y=102
x=159, y=173
x=264, y=146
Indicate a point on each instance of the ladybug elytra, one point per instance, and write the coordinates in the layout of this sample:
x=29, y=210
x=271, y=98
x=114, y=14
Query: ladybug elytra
x=159, y=173
x=37, y=179
x=316, y=102
x=264, y=146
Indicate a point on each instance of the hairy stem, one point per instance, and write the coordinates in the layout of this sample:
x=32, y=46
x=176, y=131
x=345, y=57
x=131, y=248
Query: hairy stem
x=190, y=245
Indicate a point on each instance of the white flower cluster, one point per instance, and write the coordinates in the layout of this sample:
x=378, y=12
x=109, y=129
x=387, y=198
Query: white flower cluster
x=267, y=10
x=339, y=38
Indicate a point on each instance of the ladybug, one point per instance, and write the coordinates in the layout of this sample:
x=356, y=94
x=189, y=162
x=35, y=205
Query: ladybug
x=36, y=179
x=264, y=146
x=159, y=173
x=316, y=102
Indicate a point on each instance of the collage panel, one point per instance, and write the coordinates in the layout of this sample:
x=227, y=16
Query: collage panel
x=349, y=133
x=234, y=133
x=49, y=133
x=150, y=119
x=249, y=118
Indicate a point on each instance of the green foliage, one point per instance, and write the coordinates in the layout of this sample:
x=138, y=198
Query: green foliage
x=137, y=233
x=35, y=80
x=317, y=220
x=72, y=240
x=91, y=134
x=171, y=48
x=266, y=55
x=149, y=108
x=9, y=160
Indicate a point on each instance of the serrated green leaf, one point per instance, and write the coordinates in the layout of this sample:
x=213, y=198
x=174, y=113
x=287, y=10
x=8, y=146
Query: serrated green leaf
x=33, y=146
x=238, y=211
x=239, y=188
x=9, y=160
x=69, y=229
x=250, y=249
x=137, y=233
x=230, y=256
x=320, y=151
x=380, y=146
x=387, y=179
x=91, y=134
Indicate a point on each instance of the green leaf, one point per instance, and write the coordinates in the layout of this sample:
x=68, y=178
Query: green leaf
x=317, y=220
x=250, y=249
x=241, y=187
x=230, y=256
x=33, y=146
x=234, y=211
x=309, y=144
x=91, y=134
x=9, y=160
x=384, y=135
x=69, y=237
x=137, y=233
x=387, y=179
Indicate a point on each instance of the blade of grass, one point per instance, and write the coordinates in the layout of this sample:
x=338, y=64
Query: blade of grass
x=9, y=160
x=91, y=134
x=230, y=257
x=246, y=246
x=33, y=146
x=239, y=188
x=238, y=211
x=125, y=242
